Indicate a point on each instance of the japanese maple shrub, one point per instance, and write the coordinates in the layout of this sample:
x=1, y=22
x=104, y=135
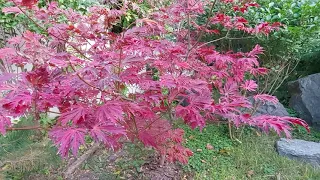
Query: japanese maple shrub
x=132, y=85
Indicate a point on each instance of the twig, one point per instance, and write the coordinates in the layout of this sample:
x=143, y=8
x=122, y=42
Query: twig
x=225, y=37
x=286, y=76
x=189, y=36
x=202, y=32
x=24, y=128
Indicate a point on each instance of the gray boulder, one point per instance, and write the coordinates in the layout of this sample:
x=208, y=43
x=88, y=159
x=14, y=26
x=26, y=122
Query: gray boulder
x=269, y=108
x=300, y=150
x=305, y=98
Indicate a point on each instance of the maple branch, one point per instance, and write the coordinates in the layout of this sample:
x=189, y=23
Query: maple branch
x=202, y=32
x=225, y=37
x=82, y=79
x=207, y=23
x=189, y=36
x=24, y=128
x=248, y=37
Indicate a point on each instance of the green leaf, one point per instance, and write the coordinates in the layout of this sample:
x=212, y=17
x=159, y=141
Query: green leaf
x=271, y=4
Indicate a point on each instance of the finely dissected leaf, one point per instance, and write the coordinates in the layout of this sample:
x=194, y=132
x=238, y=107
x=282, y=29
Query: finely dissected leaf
x=8, y=10
x=5, y=52
x=147, y=139
x=74, y=114
x=257, y=50
x=68, y=138
x=110, y=111
x=28, y=3
x=266, y=97
x=108, y=134
x=6, y=76
x=4, y=123
x=17, y=102
x=250, y=85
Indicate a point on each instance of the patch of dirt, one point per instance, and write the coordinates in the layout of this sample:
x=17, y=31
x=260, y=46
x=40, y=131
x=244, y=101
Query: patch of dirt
x=118, y=166
x=85, y=175
x=129, y=164
x=153, y=171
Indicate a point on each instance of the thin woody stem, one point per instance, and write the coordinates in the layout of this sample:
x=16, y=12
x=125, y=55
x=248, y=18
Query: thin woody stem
x=202, y=32
x=25, y=128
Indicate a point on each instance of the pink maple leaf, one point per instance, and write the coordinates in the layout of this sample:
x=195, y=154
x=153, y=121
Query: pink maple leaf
x=17, y=103
x=249, y=85
x=28, y=3
x=110, y=111
x=74, y=114
x=8, y=10
x=266, y=98
x=4, y=123
x=278, y=124
x=256, y=51
x=106, y=134
x=68, y=138
x=5, y=52
x=147, y=139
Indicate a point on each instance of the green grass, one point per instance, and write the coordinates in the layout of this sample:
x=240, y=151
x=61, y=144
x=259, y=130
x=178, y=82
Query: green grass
x=253, y=157
x=302, y=133
x=24, y=152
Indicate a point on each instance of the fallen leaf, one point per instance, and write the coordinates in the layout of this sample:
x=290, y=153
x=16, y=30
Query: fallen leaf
x=224, y=151
x=209, y=146
x=238, y=141
x=250, y=173
x=203, y=161
x=191, y=137
x=258, y=133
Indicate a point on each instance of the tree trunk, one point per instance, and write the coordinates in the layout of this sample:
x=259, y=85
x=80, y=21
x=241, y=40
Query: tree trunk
x=80, y=160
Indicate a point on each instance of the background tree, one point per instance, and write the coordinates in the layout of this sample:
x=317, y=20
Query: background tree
x=133, y=85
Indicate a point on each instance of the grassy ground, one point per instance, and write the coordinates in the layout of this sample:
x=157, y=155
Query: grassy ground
x=25, y=152
x=253, y=156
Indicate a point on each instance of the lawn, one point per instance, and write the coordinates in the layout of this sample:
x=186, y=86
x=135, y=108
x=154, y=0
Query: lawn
x=252, y=156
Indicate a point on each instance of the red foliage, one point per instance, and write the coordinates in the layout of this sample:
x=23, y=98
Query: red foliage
x=28, y=3
x=104, y=86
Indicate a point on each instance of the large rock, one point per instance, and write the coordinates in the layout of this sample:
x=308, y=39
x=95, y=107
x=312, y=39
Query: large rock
x=269, y=108
x=305, y=98
x=301, y=150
